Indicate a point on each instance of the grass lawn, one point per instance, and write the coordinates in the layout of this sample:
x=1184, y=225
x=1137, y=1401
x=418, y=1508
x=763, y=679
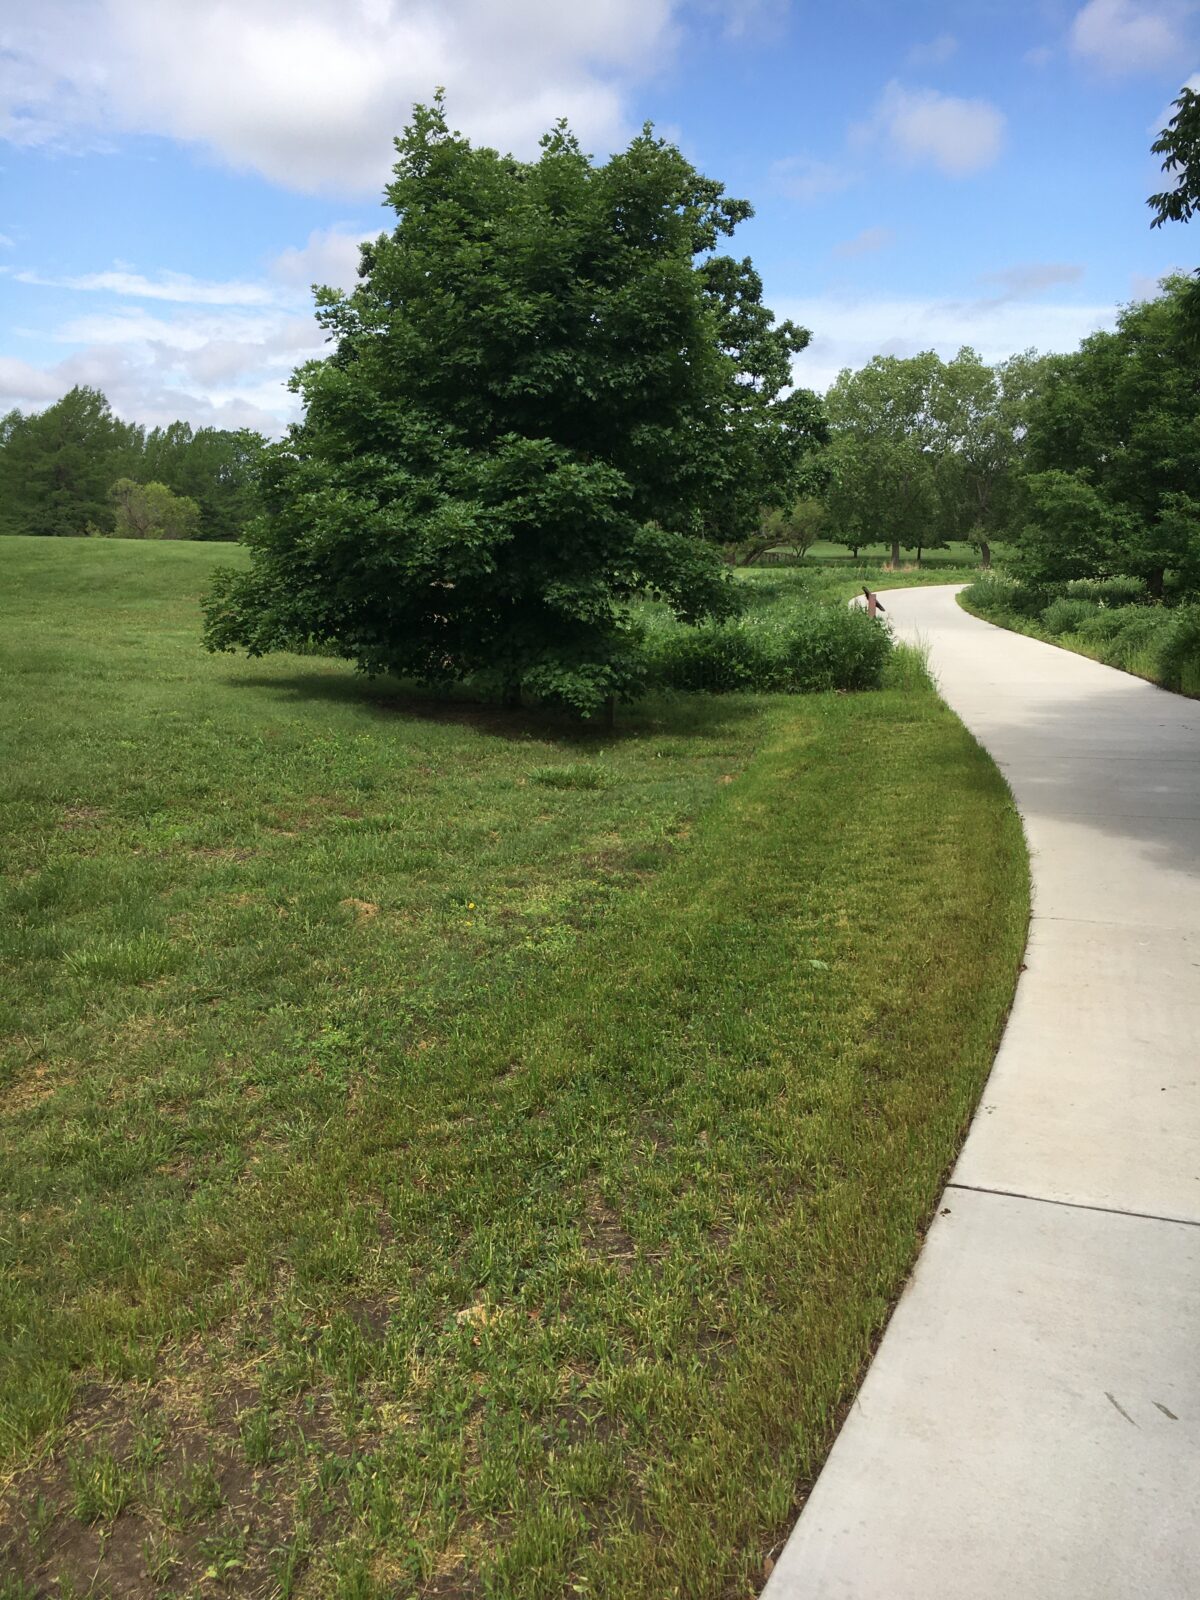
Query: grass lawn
x=443, y=1152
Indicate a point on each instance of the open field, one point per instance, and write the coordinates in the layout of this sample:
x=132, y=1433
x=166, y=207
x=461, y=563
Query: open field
x=444, y=1152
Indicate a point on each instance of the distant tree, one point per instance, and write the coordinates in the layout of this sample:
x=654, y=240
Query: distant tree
x=795, y=528
x=152, y=511
x=56, y=466
x=884, y=429
x=1121, y=417
x=546, y=396
x=982, y=415
x=216, y=467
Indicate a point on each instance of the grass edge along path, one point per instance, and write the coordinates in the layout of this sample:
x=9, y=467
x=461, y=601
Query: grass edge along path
x=574, y=1307
x=1031, y=629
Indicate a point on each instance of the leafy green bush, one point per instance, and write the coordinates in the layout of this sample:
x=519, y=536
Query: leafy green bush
x=998, y=597
x=991, y=594
x=805, y=650
x=712, y=660
x=1107, y=591
x=1176, y=649
x=1065, y=616
x=1108, y=623
x=832, y=648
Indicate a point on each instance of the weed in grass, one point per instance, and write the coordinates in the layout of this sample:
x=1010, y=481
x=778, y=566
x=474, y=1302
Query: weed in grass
x=100, y=1486
x=159, y=1557
x=139, y=959
x=580, y=775
x=258, y=1442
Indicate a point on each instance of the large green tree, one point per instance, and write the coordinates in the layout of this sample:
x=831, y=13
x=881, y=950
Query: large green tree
x=56, y=465
x=884, y=427
x=1120, y=418
x=982, y=415
x=547, y=394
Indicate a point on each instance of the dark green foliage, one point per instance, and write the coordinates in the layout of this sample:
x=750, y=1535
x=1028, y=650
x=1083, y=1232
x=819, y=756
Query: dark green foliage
x=1114, y=447
x=817, y=648
x=216, y=467
x=1107, y=591
x=1064, y=616
x=58, y=468
x=1179, y=146
x=538, y=407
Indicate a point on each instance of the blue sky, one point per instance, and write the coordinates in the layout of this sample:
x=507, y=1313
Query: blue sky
x=174, y=176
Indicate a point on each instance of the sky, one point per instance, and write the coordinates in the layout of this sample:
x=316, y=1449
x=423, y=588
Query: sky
x=176, y=174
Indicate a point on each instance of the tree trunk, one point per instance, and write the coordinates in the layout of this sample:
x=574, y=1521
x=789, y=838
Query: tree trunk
x=895, y=555
x=610, y=713
x=1154, y=583
x=985, y=555
x=512, y=694
x=919, y=549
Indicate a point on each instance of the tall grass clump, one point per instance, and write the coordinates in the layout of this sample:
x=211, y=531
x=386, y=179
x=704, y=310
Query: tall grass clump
x=794, y=650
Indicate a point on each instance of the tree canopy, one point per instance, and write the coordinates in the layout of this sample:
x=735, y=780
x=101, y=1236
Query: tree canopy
x=58, y=467
x=1114, y=453
x=547, y=394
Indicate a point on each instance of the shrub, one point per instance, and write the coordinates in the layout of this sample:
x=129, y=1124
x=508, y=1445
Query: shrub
x=811, y=648
x=1105, y=624
x=998, y=597
x=990, y=594
x=1139, y=625
x=1175, y=649
x=1065, y=616
x=713, y=660
x=831, y=648
x=1107, y=591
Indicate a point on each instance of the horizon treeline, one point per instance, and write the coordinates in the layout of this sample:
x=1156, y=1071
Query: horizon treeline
x=68, y=471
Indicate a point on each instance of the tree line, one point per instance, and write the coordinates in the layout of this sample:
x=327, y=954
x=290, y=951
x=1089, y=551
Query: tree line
x=1083, y=465
x=75, y=469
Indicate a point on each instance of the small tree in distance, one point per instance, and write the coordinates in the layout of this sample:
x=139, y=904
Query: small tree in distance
x=152, y=511
x=546, y=395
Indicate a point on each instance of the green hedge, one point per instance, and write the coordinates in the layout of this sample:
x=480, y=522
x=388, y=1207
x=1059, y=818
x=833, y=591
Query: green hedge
x=811, y=649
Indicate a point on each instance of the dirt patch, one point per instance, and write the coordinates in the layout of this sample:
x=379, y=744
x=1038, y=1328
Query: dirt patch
x=81, y=817
x=364, y=910
x=171, y=1486
x=603, y=1234
x=31, y=1089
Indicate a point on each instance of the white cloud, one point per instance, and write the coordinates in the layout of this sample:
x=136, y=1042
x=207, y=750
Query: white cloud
x=1040, y=56
x=1031, y=278
x=806, y=178
x=176, y=286
x=330, y=257
x=935, y=52
x=1123, y=36
x=849, y=330
x=925, y=127
x=310, y=93
x=865, y=243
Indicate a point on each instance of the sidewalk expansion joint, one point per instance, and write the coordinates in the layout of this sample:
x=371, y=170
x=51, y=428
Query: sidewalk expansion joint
x=1075, y=1205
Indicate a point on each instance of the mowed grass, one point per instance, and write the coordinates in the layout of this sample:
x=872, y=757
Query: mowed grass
x=445, y=1153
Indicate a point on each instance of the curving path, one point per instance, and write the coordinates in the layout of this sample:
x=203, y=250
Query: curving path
x=1030, y=1427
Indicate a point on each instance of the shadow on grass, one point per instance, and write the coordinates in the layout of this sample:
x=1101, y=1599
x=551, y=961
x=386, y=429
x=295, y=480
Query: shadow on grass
x=694, y=716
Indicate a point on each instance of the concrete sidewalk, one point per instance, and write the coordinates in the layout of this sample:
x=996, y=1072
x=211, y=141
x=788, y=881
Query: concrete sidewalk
x=1030, y=1427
